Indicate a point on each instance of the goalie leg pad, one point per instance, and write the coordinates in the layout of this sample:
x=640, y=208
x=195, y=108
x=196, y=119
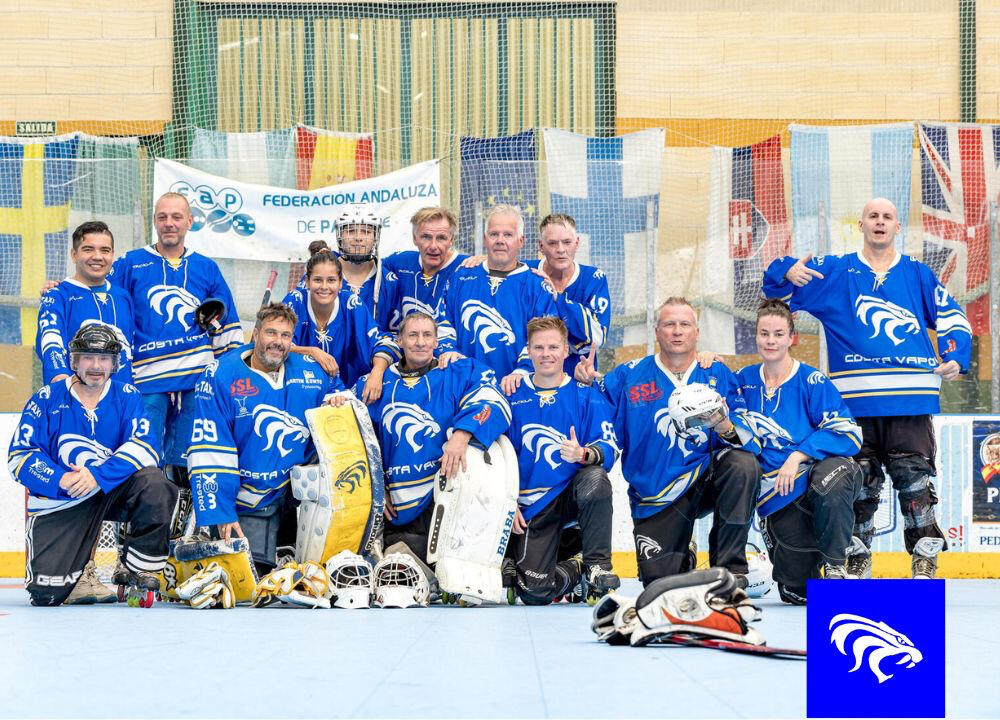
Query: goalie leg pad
x=342, y=497
x=705, y=603
x=473, y=515
x=188, y=556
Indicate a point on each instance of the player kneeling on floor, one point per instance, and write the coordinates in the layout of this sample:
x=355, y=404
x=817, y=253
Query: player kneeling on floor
x=564, y=437
x=424, y=419
x=249, y=431
x=809, y=481
x=84, y=451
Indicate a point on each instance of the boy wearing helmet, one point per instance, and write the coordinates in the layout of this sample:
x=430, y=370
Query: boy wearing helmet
x=686, y=449
x=84, y=451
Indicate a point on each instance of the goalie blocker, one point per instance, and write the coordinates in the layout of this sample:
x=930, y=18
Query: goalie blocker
x=471, y=523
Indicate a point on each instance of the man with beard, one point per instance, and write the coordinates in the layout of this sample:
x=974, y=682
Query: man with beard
x=249, y=430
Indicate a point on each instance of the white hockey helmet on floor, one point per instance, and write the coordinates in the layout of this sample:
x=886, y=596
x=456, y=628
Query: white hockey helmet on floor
x=694, y=405
x=350, y=580
x=399, y=582
x=759, y=575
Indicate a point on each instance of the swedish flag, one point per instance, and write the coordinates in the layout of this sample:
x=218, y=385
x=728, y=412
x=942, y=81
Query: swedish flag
x=36, y=183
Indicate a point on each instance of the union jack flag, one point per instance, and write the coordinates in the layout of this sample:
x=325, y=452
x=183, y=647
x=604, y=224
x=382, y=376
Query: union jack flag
x=960, y=177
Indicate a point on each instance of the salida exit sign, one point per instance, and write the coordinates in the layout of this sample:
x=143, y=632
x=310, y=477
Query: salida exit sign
x=29, y=128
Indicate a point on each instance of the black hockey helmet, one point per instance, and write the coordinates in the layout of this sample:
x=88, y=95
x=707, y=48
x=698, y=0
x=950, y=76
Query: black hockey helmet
x=208, y=316
x=96, y=339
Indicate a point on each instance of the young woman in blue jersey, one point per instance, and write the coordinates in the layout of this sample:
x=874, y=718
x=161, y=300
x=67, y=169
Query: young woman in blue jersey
x=336, y=330
x=807, y=435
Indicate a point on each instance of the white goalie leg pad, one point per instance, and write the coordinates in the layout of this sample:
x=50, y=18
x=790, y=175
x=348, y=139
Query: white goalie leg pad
x=706, y=603
x=312, y=488
x=350, y=580
x=399, y=582
x=210, y=587
x=473, y=516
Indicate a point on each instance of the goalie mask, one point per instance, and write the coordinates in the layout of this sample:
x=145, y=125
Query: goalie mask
x=95, y=339
x=350, y=580
x=399, y=582
x=694, y=406
x=759, y=581
x=358, y=223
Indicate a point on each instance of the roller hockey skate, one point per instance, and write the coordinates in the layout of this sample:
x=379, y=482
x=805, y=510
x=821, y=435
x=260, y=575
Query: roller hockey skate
x=924, y=561
x=596, y=582
x=139, y=589
x=859, y=559
x=568, y=568
x=89, y=589
x=835, y=572
x=508, y=576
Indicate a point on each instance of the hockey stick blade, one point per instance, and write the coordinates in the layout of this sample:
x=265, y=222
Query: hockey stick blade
x=267, y=289
x=729, y=646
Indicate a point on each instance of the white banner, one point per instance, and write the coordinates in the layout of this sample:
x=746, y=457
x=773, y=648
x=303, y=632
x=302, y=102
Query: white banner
x=258, y=222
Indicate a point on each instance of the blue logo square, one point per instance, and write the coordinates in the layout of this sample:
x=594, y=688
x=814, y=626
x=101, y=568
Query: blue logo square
x=876, y=648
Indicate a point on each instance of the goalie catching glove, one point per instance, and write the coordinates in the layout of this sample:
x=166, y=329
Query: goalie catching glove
x=695, y=406
x=701, y=603
x=305, y=584
x=210, y=587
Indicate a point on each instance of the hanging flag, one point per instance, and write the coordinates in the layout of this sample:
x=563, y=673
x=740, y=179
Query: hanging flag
x=836, y=171
x=261, y=158
x=325, y=158
x=36, y=184
x=960, y=178
x=611, y=187
x=107, y=187
x=747, y=229
x=495, y=171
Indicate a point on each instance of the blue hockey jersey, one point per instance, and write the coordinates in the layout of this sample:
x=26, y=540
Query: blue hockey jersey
x=880, y=356
x=406, y=289
x=541, y=421
x=56, y=431
x=249, y=430
x=69, y=306
x=350, y=335
x=412, y=419
x=805, y=413
x=659, y=464
x=486, y=317
x=170, y=350
x=585, y=307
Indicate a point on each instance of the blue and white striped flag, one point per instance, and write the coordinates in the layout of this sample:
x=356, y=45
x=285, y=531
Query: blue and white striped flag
x=835, y=171
x=261, y=158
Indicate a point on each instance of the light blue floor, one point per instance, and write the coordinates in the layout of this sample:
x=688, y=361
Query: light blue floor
x=115, y=661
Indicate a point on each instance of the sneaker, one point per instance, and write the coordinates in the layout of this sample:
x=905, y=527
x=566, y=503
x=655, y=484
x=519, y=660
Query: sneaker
x=924, y=561
x=859, y=559
x=835, y=572
x=597, y=581
x=89, y=589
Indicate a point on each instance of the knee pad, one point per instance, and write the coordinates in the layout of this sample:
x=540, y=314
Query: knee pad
x=744, y=463
x=591, y=483
x=836, y=475
x=872, y=477
x=911, y=476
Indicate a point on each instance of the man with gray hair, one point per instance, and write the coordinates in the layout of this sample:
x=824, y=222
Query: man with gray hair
x=486, y=309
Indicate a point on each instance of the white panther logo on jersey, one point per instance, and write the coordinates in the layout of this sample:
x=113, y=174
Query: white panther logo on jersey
x=886, y=317
x=411, y=305
x=664, y=426
x=647, y=547
x=816, y=377
x=173, y=303
x=80, y=450
x=277, y=426
x=544, y=442
x=485, y=322
x=410, y=422
x=354, y=301
x=838, y=423
x=767, y=429
x=882, y=640
x=391, y=276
